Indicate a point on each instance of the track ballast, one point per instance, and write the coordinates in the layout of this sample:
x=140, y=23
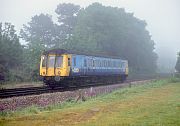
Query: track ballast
x=15, y=92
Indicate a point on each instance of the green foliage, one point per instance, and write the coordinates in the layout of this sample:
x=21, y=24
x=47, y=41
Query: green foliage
x=177, y=67
x=42, y=34
x=112, y=31
x=67, y=19
x=174, y=80
x=31, y=62
x=39, y=32
x=10, y=51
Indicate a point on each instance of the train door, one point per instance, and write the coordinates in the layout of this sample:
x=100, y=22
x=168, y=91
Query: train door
x=62, y=65
x=69, y=57
x=58, y=67
x=50, y=65
x=43, y=65
x=85, y=66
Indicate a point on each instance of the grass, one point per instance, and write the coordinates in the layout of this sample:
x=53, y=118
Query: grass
x=155, y=103
x=8, y=85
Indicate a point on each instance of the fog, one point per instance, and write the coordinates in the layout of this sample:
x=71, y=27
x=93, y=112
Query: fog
x=162, y=17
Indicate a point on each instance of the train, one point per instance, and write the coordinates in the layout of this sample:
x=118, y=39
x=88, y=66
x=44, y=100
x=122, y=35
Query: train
x=65, y=67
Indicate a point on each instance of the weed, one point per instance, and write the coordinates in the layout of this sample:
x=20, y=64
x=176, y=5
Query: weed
x=174, y=80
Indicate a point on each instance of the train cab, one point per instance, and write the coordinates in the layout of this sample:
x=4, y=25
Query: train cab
x=55, y=65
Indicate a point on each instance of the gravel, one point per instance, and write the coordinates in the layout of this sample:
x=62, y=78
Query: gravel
x=43, y=100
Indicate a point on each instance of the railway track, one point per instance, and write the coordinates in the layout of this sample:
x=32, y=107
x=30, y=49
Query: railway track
x=7, y=93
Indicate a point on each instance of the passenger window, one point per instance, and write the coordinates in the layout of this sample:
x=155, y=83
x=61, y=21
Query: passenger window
x=89, y=62
x=85, y=62
x=74, y=60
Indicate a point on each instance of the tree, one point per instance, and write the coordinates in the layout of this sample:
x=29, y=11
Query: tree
x=177, y=67
x=40, y=34
x=67, y=18
x=10, y=50
x=112, y=31
x=39, y=31
x=42, y=31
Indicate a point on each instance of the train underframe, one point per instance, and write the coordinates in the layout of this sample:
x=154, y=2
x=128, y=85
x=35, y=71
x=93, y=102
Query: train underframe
x=82, y=80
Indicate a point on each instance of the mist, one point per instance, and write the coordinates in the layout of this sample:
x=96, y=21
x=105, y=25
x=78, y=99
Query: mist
x=162, y=17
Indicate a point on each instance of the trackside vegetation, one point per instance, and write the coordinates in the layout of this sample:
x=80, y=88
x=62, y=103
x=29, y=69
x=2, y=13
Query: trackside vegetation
x=153, y=103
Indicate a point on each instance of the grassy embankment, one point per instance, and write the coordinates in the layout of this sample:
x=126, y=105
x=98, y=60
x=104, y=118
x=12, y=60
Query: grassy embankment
x=156, y=103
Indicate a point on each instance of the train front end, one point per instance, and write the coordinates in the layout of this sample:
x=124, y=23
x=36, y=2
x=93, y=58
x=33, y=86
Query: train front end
x=54, y=67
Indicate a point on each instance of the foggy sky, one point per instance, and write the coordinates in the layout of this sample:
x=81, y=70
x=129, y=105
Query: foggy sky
x=162, y=17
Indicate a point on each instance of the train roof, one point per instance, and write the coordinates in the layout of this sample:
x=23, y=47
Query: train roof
x=64, y=51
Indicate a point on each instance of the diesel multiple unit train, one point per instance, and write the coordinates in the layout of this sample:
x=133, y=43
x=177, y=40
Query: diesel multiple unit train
x=63, y=67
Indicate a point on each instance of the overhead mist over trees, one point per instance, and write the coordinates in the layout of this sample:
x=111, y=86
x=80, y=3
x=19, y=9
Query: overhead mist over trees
x=96, y=29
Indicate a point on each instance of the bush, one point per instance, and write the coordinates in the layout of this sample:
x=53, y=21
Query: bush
x=174, y=80
x=177, y=75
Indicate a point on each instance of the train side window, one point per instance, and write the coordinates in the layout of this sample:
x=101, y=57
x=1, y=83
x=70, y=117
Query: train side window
x=89, y=62
x=85, y=62
x=74, y=61
x=93, y=61
x=69, y=62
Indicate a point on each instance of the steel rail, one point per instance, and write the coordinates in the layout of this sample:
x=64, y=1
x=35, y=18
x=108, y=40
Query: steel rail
x=7, y=93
